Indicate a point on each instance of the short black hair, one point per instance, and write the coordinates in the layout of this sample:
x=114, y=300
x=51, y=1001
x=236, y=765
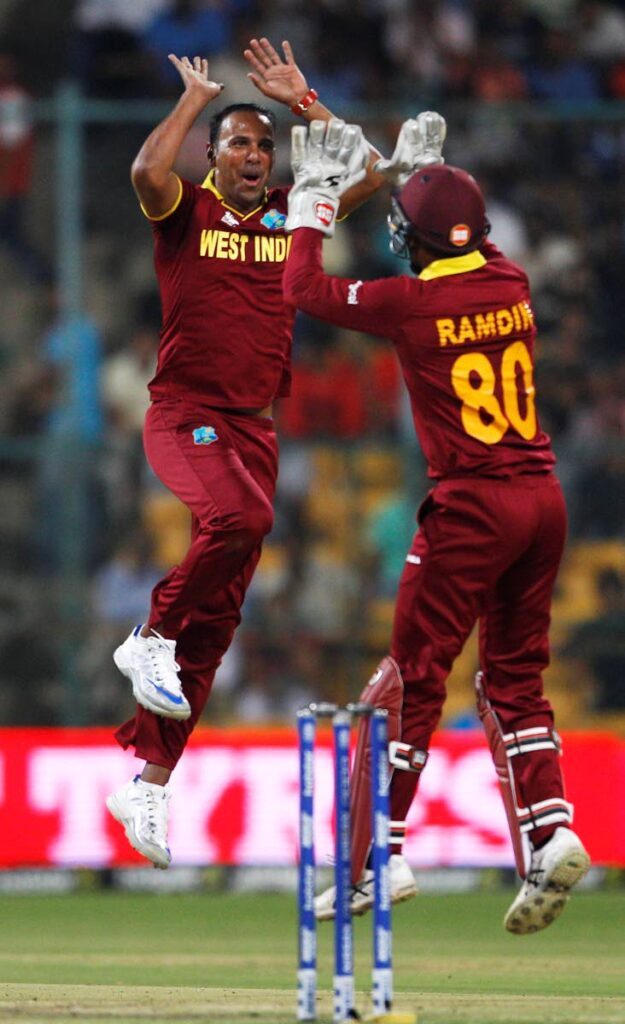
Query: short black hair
x=214, y=125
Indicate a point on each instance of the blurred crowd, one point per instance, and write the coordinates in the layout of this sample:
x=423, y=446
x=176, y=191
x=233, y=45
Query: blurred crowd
x=530, y=89
x=355, y=50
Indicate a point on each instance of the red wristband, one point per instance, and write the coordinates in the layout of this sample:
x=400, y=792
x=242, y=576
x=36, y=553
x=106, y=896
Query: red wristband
x=305, y=102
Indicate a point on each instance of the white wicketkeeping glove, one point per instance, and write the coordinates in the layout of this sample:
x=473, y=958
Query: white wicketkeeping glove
x=327, y=159
x=419, y=144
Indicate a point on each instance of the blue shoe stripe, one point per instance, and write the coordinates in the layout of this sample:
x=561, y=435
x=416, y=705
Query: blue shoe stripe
x=137, y=629
x=170, y=696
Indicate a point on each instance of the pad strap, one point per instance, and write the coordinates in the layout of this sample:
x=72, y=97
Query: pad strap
x=396, y=833
x=409, y=759
x=527, y=741
x=545, y=812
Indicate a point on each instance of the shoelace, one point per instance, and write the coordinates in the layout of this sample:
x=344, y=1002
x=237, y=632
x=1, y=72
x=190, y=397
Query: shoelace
x=362, y=888
x=159, y=652
x=151, y=807
x=151, y=813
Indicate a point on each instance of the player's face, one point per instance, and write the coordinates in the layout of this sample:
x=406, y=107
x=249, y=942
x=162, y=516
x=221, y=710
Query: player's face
x=244, y=158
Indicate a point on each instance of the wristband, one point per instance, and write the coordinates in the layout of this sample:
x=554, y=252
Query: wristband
x=306, y=101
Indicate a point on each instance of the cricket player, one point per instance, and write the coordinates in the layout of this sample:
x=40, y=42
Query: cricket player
x=224, y=357
x=491, y=530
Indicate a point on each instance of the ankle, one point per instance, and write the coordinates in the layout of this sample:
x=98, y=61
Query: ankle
x=542, y=836
x=155, y=774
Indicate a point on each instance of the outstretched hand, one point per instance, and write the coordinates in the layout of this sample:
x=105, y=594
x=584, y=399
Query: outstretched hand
x=278, y=79
x=419, y=144
x=195, y=76
x=327, y=159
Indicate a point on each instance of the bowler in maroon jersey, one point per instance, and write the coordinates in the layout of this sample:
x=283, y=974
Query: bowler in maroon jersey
x=219, y=250
x=492, y=529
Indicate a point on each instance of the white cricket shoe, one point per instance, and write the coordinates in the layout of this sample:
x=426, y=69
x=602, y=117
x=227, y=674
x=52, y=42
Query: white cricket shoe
x=150, y=664
x=142, y=808
x=554, y=870
x=403, y=887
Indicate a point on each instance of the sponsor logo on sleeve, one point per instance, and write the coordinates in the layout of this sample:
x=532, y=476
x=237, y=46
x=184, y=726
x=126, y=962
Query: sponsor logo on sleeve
x=204, y=435
x=352, y=293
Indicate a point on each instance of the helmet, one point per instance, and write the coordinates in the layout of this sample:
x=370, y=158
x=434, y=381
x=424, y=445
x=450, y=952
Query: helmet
x=442, y=207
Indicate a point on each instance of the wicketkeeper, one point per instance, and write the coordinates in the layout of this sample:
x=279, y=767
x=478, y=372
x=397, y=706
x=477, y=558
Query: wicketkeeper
x=492, y=529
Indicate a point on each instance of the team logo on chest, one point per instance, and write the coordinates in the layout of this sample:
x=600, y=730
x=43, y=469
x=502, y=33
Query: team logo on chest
x=274, y=220
x=230, y=219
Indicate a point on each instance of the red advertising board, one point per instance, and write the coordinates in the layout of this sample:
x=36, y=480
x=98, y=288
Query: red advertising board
x=235, y=799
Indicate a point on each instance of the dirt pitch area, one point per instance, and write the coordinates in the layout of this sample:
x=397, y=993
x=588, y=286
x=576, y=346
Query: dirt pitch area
x=93, y=1004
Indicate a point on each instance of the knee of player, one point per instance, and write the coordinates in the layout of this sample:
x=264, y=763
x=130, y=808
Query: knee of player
x=251, y=523
x=258, y=519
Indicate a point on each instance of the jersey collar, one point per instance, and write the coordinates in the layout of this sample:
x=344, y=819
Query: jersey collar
x=209, y=183
x=453, y=265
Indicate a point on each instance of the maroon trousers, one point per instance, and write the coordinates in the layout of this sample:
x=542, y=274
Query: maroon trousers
x=485, y=550
x=228, y=482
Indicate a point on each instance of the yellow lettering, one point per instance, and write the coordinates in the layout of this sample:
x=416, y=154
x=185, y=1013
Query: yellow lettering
x=505, y=323
x=270, y=249
x=267, y=249
x=517, y=358
x=485, y=325
x=233, y=246
x=208, y=242
x=517, y=318
x=446, y=332
x=243, y=240
x=465, y=332
x=222, y=245
x=473, y=380
x=526, y=314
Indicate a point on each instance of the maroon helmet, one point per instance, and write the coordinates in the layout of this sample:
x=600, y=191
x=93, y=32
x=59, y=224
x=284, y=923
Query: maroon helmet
x=443, y=207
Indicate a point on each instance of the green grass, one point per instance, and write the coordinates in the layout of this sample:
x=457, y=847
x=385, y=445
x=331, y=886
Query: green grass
x=205, y=958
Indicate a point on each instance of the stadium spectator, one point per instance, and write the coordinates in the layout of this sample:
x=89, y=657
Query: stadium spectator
x=494, y=78
x=125, y=377
x=71, y=510
x=107, y=53
x=16, y=171
x=512, y=26
x=120, y=590
x=492, y=529
x=389, y=532
x=598, y=646
x=601, y=31
x=188, y=26
x=599, y=498
x=209, y=436
x=559, y=73
x=577, y=241
x=421, y=38
x=329, y=388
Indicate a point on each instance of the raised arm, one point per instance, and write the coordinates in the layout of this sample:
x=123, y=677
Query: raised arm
x=152, y=174
x=281, y=79
x=327, y=158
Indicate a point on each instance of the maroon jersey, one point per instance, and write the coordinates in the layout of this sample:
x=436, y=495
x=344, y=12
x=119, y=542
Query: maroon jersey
x=464, y=332
x=226, y=334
